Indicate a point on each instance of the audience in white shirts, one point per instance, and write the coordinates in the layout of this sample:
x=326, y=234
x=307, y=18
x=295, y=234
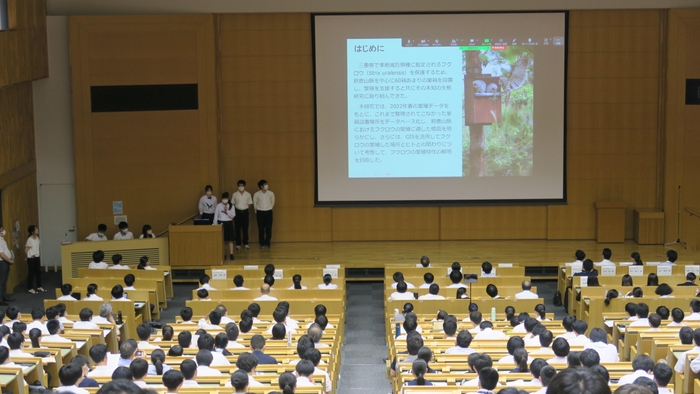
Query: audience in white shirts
x=54, y=327
x=432, y=293
x=99, y=355
x=105, y=315
x=561, y=350
x=67, y=291
x=526, y=293
x=145, y=264
x=671, y=256
x=98, y=260
x=694, y=311
x=37, y=321
x=428, y=280
x=487, y=270
x=401, y=292
x=265, y=294
x=189, y=372
x=85, y=322
x=16, y=343
x=642, y=311
x=139, y=369
x=71, y=375
x=117, y=263
x=92, y=293
x=398, y=277
x=456, y=279
x=296, y=283
x=143, y=331
x=173, y=380
x=204, y=360
x=680, y=364
x=327, y=285
x=238, y=282
x=580, y=327
x=462, y=343
x=607, y=254
x=99, y=235
x=123, y=232
x=663, y=373
x=599, y=343
x=487, y=332
x=204, y=282
x=642, y=365
x=546, y=375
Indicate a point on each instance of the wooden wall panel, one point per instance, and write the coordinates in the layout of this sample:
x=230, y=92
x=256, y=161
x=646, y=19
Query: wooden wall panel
x=155, y=162
x=682, y=167
x=23, y=50
x=385, y=224
x=493, y=222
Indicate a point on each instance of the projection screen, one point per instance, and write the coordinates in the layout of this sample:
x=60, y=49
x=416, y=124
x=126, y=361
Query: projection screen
x=440, y=109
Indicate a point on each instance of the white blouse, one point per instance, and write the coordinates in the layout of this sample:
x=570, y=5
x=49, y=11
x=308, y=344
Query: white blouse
x=33, y=245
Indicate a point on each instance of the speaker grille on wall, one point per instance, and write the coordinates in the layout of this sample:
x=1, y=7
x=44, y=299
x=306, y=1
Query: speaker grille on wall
x=692, y=92
x=144, y=98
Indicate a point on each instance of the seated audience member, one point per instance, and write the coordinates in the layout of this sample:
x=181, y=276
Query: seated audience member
x=428, y=280
x=67, y=291
x=167, y=333
x=97, y=261
x=61, y=313
x=145, y=264
x=607, y=254
x=127, y=352
x=207, y=342
x=432, y=293
x=530, y=337
x=488, y=380
x=580, y=327
x=663, y=312
x=172, y=380
x=680, y=364
x=254, y=310
x=677, y=315
x=456, y=279
x=425, y=262
x=280, y=317
x=204, y=359
x=257, y=346
x=568, y=324
x=247, y=362
x=146, y=232
x=685, y=334
x=401, y=293
x=16, y=343
x=269, y=280
x=545, y=338
x=573, y=360
x=639, y=386
x=84, y=364
x=520, y=327
x=642, y=365
x=449, y=327
x=157, y=366
x=99, y=235
x=37, y=321
x=475, y=318
x=694, y=311
x=671, y=256
x=99, y=355
x=627, y=280
x=642, y=316
x=652, y=279
x=477, y=362
x=232, y=333
x=189, y=372
x=514, y=343
x=204, y=282
x=414, y=342
x=398, y=277
x=186, y=316
x=487, y=332
x=588, y=269
x=129, y=280
x=70, y=375
x=636, y=258
x=118, y=293
x=124, y=232
x=238, y=283
x=221, y=308
x=265, y=294
x=589, y=358
x=599, y=343
x=92, y=293
x=461, y=293
x=245, y=325
x=631, y=310
x=561, y=349
x=327, y=285
x=287, y=382
x=105, y=316
x=526, y=293
x=689, y=279
x=144, y=333
x=662, y=376
x=487, y=270
x=462, y=343
x=535, y=369
x=520, y=361
x=175, y=351
x=654, y=322
x=578, y=380
x=123, y=373
x=578, y=263
x=492, y=291
x=314, y=355
x=239, y=381
x=304, y=371
x=139, y=369
x=547, y=373
x=279, y=332
x=117, y=263
x=664, y=290
x=85, y=322
x=54, y=327
x=296, y=283
x=320, y=310
x=419, y=368
x=541, y=312
x=315, y=333
x=214, y=321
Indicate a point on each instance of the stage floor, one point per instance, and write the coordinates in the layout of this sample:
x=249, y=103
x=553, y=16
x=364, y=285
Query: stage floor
x=538, y=253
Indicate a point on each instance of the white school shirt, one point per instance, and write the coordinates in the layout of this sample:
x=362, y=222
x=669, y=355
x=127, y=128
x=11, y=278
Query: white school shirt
x=695, y=364
x=207, y=204
x=627, y=379
x=206, y=286
x=456, y=285
x=408, y=285
x=680, y=364
x=240, y=288
x=431, y=297
x=242, y=201
x=55, y=338
x=129, y=288
x=557, y=359
x=193, y=383
x=121, y=236
x=265, y=297
x=101, y=265
x=66, y=298
x=292, y=288
x=39, y=325
x=692, y=316
x=33, y=245
x=223, y=214
x=70, y=389
x=605, y=263
x=219, y=359
x=263, y=201
x=96, y=237
x=330, y=286
x=489, y=333
x=425, y=286
x=93, y=297
x=401, y=296
x=526, y=295
x=118, y=267
x=667, y=263
x=203, y=370
x=85, y=325
x=644, y=322
x=101, y=370
x=607, y=352
x=579, y=340
x=460, y=350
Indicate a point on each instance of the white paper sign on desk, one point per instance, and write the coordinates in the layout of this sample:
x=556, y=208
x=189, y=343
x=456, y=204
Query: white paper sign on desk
x=636, y=270
x=332, y=272
x=250, y=267
x=608, y=270
x=692, y=268
x=664, y=270
x=279, y=274
x=505, y=265
x=219, y=274
x=584, y=281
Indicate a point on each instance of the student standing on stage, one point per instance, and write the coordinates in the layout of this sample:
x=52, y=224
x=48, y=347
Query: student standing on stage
x=263, y=202
x=242, y=201
x=31, y=248
x=224, y=215
x=207, y=204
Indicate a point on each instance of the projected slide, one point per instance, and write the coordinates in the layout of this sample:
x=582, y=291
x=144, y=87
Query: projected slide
x=470, y=105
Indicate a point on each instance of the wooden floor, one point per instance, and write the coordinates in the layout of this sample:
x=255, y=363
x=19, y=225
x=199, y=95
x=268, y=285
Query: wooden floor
x=377, y=254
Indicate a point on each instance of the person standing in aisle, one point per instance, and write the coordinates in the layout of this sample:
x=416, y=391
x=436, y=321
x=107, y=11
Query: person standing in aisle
x=207, y=204
x=224, y=215
x=6, y=260
x=242, y=202
x=31, y=248
x=263, y=202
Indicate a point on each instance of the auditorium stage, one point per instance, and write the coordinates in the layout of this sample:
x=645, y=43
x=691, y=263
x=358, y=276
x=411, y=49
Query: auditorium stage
x=530, y=253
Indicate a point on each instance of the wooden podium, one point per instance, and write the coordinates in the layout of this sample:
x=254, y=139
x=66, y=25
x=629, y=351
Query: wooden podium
x=610, y=221
x=196, y=246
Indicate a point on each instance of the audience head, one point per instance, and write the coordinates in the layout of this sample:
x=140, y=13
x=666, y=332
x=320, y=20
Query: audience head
x=663, y=312
x=642, y=310
x=678, y=315
x=627, y=280
x=652, y=279
x=588, y=265
x=672, y=255
x=610, y=294
x=239, y=380
x=287, y=382
x=580, y=255
x=456, y=277
x=425, y=261
x=139, y=368
x=492, y=290
x=663, y=374
x=573, y=359
x=664, y=289
x=636, y=258
x=70, y=374
x=486, y=267
x=419, y=369
x=123, y=373
x=172, y=380
x=589, y=358
x=488, y=379
x=643, y=362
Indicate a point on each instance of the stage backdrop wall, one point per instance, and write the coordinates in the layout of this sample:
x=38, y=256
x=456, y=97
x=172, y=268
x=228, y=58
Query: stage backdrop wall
x=266, y=117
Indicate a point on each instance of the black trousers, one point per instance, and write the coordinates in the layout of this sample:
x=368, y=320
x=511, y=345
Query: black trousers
x=241, y=222
x=4, y=273
x=33, y=272
x=264, y=227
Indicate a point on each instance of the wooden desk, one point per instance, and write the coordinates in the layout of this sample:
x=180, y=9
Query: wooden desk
x=196, y=246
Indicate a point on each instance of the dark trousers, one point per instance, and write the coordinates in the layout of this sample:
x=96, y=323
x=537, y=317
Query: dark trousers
x=33, y=271
x=4, y=273
x=264, y=227
x=240, y=222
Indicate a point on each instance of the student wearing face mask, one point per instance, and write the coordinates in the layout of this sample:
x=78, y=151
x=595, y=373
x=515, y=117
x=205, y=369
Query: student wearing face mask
x=225, y=212
x=147, y=232
x=242, y=201
x=124, y=232
x=99, y=235
x=207, y=204
x=263, y=202
x=7, y=260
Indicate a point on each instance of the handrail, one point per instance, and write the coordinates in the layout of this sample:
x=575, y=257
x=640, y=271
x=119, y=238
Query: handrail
x=692, y=213
x=177, y=224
